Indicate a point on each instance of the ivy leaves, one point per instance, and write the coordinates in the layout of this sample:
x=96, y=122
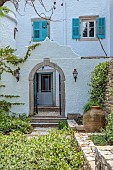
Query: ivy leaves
x=7, y=56
x=57, y=150
x=12, y=123
x=3, y=10
x=8, y=60
x=99, y=78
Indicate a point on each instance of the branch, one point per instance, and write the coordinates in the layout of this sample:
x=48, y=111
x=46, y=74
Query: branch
x=2, y=2
x=102, y=46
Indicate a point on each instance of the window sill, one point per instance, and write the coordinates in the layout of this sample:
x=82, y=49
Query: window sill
x=88, y=39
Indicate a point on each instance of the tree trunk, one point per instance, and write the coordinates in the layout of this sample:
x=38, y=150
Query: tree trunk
x=2, y=2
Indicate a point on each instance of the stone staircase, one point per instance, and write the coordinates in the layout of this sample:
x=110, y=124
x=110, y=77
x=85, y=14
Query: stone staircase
x=46, y=121
x=47, y=117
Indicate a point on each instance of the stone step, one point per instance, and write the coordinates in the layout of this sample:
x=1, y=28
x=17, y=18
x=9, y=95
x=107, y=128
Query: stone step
x=47, y=119
x=44, y=124
x=73, y=125
x=48, y=114
x=48, y=109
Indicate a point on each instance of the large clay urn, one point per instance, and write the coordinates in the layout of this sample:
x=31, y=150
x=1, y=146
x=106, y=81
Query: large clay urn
x=94, y=119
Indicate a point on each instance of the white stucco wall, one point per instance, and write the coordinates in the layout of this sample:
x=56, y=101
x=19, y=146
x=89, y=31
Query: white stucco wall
x=75, y=9
x=62, y=31
x=76, y=92
x=110, y=27
x=7, y=25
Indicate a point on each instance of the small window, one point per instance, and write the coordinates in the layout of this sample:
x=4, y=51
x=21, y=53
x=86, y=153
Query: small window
x=88, y=29
x=45, y=82
x=40, y=30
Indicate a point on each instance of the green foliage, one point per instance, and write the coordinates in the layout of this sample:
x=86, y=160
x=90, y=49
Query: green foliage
x=7, y=56
x=99, y=140
x=107, y=134
x=9, y=96
x=7, y=60
x=99, y=78
x=62, y=124
x=10, y=123
x=55, y=151
x=89, y=104
x=5, y=106
x=3, y=10
x=109, y=128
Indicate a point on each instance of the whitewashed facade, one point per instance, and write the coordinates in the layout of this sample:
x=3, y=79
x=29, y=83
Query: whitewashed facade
x=60, y=49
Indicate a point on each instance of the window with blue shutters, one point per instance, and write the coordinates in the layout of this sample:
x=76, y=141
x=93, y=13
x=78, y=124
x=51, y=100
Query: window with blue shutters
x=40, y=30
x=86, y=28
x=101, y=25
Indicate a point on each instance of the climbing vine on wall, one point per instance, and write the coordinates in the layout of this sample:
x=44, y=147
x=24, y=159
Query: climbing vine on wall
x=8, y=60
x=3, y=10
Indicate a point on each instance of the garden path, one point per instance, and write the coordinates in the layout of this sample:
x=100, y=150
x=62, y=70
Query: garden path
x=39, y=131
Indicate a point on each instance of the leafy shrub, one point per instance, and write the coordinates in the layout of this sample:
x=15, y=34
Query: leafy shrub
x=99, y=140
x=89, y=104
x=55, y=151
x=99, y=78
x=11, y=123
x=107, y=134
x=62, y=124
x=109, y=128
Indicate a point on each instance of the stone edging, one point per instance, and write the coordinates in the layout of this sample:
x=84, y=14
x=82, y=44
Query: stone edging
x=97, y=157
x=87, y=147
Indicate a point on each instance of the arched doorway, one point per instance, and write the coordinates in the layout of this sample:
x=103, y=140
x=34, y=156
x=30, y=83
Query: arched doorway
x=48, y=77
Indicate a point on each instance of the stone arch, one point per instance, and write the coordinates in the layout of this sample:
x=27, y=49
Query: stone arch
x=46, y=62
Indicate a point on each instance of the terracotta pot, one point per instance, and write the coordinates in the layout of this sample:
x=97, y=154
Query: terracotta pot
x=94, y=119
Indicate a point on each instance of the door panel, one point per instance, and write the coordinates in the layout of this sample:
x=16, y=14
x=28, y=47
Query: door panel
x=45, y=91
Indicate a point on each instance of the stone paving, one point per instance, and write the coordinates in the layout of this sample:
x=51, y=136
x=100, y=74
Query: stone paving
x=39, y=131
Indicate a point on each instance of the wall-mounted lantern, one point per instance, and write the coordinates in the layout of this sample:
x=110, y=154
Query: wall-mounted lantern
x=75, y=73
x=17, y=74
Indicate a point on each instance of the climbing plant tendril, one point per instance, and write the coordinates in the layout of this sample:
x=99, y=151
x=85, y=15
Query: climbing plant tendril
x=8, y=61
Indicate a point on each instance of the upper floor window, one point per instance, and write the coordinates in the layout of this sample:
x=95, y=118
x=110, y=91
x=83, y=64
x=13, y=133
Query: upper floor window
x=88, y=28
x=40, y=30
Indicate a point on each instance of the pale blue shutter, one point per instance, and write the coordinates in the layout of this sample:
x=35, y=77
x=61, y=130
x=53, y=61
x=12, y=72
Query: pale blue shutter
x=101, y=26
x=44, y=29
x=76, y=28
x=36, y=31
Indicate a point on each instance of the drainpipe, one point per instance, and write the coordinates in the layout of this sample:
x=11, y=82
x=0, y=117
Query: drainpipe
x=65, y=23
